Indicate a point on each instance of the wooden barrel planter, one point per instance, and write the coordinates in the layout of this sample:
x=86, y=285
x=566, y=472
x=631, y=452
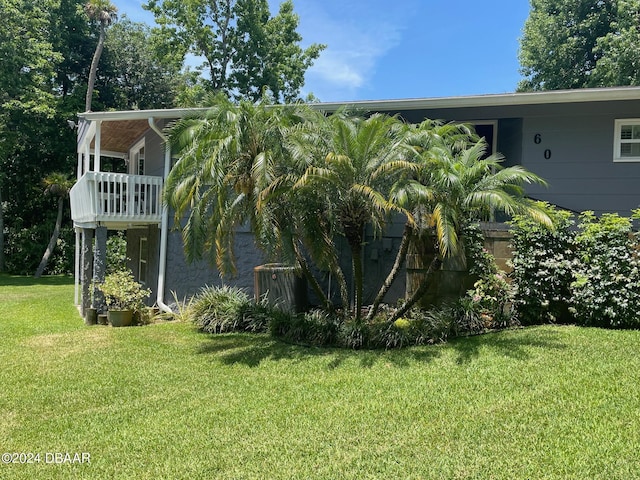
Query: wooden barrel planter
x=282, y=285
x=447, y=284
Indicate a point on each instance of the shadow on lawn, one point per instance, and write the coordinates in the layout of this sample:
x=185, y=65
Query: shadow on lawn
x=515, y=344
x=251, y=350
x=25, y=281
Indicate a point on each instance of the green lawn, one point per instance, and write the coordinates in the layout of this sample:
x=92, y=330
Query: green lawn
x=164, y=401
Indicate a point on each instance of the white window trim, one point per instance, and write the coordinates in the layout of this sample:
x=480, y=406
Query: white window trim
x=617, y=141
x=494, y=124
x=133, y=159
x=142, y=261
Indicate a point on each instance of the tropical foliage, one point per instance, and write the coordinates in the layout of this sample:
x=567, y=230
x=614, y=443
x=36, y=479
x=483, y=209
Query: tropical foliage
x=308, y=183
x=102, y=12
x=58, y=185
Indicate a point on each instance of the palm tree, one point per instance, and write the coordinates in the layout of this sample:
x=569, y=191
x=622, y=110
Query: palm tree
x=351, y=162
x=226, y=158
x=464, y=185
x=103, y=12
x=59, y=185
x=412, y=191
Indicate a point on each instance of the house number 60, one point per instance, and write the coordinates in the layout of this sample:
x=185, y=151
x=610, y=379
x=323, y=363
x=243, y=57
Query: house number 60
x=537, y=139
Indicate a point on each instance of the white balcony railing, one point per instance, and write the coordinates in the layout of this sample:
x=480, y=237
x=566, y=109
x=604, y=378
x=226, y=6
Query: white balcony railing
x=116, y=198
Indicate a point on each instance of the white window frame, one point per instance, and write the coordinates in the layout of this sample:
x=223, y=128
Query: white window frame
x=134, y=159
x=142, y=262
x=618, y=142
x=494, y=124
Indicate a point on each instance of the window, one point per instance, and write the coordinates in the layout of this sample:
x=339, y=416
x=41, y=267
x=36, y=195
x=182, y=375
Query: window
x=142, y=265
x=487, y=130
x=626, y=143
x=136, y=156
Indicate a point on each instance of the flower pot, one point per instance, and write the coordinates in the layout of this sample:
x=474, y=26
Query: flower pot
x=102, y=319
x=120, y=318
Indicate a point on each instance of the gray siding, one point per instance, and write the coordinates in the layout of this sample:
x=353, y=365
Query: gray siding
x=579, y=136
x=152, y=233
x=185, y=279
x=154, y=152
x=580, y=169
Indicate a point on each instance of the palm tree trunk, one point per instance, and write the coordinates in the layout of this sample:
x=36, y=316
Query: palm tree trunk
x=93, y=72
x=400, y=258
x=52, y=241
x=435, y=265
x=1, y=233
x=311, y=279
x=356, y=259
x=342, y=283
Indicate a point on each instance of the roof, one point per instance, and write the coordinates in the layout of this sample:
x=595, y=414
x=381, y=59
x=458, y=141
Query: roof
x=121, y=128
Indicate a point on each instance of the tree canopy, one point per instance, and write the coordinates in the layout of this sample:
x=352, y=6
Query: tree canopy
x=569, y=44
x=244, y=49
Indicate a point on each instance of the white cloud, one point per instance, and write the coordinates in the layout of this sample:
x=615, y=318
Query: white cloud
x=357, y=34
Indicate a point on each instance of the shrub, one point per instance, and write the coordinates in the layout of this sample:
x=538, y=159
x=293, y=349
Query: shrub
x=116, y=252
x=122, y=292
x=543, y=263
x=606, y=289
x=217, y=309
x=491, y=296
x=226, y=309
x=354, y=335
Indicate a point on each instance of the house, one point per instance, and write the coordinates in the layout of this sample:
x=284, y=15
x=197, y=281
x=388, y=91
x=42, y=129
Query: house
x=585, y=143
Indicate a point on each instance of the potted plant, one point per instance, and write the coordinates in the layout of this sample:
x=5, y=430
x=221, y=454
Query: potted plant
x=123, y=296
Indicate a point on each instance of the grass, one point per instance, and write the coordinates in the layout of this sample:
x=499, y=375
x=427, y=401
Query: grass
x=166, y=402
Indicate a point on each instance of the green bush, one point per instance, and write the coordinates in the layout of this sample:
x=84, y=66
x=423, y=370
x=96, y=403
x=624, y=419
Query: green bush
x=226, y=309
x=543, y=263
x=116, y=252
x=122, y=292
x=491, y=296
x=606, y=286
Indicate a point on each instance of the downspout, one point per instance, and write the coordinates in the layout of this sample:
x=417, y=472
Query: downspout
x=164, y=228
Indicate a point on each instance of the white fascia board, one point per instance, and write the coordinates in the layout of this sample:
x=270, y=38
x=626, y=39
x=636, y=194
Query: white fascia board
x=494, y=100
x=488, y=100
x=140, y=114
x=86, y=137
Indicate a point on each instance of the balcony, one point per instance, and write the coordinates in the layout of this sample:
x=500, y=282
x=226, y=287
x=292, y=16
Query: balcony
x=116, y=200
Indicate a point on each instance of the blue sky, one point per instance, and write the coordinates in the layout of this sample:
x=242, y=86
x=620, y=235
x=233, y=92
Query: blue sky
x=386, y=49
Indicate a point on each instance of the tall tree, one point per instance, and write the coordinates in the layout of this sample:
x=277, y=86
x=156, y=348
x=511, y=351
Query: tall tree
x=558, y=45
x=27, y=64
x=619, y=49
x=245, y=50
x=102, y=12
x=134, y=72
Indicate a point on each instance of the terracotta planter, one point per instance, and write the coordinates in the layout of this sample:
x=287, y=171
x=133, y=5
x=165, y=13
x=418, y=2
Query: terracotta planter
x=120, y=318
